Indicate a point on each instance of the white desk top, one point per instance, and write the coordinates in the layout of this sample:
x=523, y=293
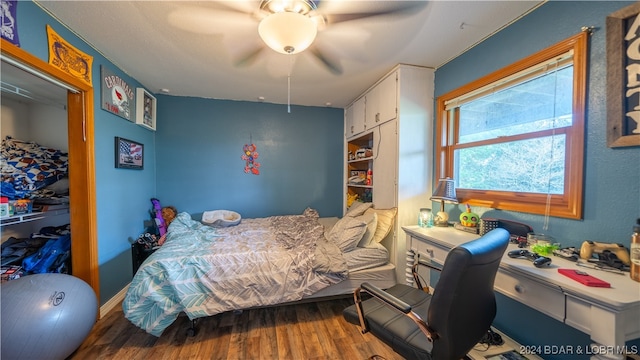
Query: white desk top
x=623, y=294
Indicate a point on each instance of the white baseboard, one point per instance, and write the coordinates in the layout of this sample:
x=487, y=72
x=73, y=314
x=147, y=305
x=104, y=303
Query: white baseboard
x=113, y=302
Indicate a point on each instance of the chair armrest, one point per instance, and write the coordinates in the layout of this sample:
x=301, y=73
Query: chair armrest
x=392, y=301
x=386, y=297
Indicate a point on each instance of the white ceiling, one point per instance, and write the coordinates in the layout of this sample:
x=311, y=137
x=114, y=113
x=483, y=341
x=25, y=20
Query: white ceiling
x=191, y=48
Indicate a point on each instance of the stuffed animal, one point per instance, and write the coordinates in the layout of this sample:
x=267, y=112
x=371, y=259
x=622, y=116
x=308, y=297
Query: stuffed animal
x=351, y=198
x=169, y=213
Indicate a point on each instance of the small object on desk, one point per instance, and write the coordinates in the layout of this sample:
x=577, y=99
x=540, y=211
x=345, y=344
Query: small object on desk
x=469, y=218
x=598, y=266
x=538, y=261
x=425, y=218
x=469, y=229
x=544, y=249
x=569, y=253
x=589, y=248
x=584, y=278
x=517, y=239
x=634, y=250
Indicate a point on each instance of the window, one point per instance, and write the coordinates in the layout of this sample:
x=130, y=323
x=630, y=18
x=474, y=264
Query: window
x=514, y=139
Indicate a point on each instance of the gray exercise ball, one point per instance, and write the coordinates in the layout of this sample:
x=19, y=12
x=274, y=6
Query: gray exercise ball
x=45, y=316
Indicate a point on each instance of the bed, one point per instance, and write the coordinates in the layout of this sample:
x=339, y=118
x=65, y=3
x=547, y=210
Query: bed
x=203, y=270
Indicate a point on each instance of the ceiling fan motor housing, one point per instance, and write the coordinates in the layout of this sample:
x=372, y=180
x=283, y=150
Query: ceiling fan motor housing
x=288, y=32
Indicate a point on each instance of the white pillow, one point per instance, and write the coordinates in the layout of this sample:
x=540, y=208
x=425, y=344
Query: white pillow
x=358, y=208
x=386, y=218
x=372, y=223
x=347, y=232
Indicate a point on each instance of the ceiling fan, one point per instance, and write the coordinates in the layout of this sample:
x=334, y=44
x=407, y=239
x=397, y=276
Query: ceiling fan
x=291, y=26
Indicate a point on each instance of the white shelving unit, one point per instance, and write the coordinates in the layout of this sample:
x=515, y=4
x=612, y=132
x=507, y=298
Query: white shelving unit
x=48, y=211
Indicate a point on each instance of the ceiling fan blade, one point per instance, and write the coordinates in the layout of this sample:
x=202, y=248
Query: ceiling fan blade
x=244, y=7
x=249, y=57
x=332, y=64
x=366, y=9
x=200, y=20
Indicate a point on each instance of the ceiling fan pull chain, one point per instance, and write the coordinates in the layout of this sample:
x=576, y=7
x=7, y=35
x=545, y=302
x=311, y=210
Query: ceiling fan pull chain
x=289, y=93
x=289, y=83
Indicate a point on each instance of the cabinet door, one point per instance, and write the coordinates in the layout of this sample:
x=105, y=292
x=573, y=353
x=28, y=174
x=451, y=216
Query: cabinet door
x=372, y=116
x=385, y=165
x=387, y=92
x=381, y=105
x=354, y=118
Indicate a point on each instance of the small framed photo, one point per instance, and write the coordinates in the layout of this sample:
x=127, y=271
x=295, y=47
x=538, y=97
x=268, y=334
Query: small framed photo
x=129, y=154
x=145, y=109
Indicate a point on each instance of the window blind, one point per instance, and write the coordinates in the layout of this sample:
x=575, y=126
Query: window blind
x=537, y=70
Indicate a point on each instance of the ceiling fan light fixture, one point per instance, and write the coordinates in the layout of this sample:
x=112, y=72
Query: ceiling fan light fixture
x=288, y=32
x=298, y=6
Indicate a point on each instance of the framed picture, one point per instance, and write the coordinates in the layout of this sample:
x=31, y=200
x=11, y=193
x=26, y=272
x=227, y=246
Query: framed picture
x=623, y=68
x=145, y=109
x=129, y=154
x=117, y=97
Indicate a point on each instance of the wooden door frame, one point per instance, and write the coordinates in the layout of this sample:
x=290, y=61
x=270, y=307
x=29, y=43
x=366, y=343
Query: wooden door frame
x=82, y=185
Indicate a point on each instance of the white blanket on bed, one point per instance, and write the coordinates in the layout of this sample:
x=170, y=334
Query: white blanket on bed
x=204, y=271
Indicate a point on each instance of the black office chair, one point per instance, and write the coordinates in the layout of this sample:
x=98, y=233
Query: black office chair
x=446, y=324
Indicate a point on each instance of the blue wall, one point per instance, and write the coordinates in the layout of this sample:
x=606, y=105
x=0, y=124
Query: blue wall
x=193, y=160
x=612, y=176
x=122, y=195
x=199, y=151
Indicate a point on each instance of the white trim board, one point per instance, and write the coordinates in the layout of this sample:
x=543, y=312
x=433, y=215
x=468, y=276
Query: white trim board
x=113, y=302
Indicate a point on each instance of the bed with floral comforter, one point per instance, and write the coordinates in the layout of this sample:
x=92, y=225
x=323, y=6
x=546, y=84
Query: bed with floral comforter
x=203, y=271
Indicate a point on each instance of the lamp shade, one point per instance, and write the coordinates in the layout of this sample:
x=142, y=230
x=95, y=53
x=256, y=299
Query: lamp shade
x=445, y=191
x=288, y=32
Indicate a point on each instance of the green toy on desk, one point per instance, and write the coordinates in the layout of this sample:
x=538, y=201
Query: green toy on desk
x=469, y=218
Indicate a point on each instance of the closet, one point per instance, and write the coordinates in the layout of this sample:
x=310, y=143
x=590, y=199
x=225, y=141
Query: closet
x=80, y=131
x=34, y=111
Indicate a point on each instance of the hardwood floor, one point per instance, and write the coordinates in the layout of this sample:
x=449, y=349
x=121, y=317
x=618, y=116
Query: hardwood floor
x=312, y=330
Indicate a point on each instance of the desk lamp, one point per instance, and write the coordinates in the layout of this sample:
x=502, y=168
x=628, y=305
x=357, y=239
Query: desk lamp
x=445, y=191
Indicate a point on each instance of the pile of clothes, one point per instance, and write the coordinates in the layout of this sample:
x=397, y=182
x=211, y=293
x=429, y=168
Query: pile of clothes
x=48, y=251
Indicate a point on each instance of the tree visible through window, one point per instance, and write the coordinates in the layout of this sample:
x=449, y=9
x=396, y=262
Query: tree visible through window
x=514, y=139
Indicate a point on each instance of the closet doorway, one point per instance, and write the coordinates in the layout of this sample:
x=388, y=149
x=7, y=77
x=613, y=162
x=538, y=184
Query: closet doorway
x=80, y=128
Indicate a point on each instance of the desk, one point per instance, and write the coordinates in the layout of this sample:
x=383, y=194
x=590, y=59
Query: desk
x=610, y=316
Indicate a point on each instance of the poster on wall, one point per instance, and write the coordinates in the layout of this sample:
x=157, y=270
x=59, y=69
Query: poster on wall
x=9, y=25
x=623, y=77
x=129, y=154
x=67, y=58
x=117, y=96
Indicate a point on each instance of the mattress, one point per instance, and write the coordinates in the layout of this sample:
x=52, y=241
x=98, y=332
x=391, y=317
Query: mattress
x=381, y=276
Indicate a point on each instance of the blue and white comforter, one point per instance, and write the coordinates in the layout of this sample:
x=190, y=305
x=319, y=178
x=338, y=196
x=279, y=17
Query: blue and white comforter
x=204, y=271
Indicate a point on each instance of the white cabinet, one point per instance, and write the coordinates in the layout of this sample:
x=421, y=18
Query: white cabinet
x=378, y=105
x=355, y=118
x=399, y=127
x=385, y=153
x=381, y=104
